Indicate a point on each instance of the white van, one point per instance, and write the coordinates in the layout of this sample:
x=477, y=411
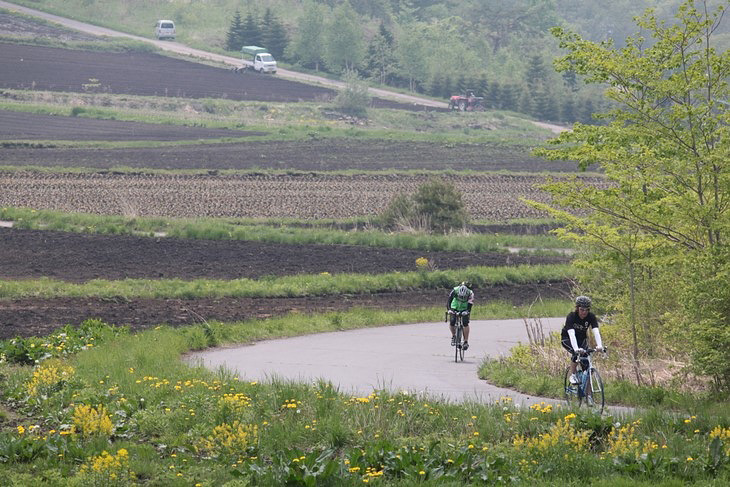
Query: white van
x=165, y=29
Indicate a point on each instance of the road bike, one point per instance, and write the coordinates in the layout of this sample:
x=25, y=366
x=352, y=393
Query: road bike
x=589, y=389
x=459, y=333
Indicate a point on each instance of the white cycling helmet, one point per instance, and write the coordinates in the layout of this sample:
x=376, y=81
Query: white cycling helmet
x=462, y=292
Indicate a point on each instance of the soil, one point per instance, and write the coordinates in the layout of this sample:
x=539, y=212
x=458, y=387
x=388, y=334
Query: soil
x=18, y=26
x=32, y=126
x=80, y=257
x=312, y=155
x=30, y=67
x=40, y=317
x=76, y=257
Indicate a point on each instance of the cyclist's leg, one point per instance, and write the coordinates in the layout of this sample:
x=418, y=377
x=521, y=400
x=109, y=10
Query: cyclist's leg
x=452, y=326
x=565, y=342
x=465, y=322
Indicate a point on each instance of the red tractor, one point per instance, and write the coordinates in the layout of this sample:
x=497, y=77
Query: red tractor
x=467, y=102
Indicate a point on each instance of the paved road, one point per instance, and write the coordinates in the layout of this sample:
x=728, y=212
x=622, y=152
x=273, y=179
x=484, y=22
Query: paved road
x=416, y=358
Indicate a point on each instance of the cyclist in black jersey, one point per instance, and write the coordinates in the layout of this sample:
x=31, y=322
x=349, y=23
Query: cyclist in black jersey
x=574, y=336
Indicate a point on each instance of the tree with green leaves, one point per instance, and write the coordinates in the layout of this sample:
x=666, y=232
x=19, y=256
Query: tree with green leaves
x=661, y=220
x=411, y=54
x=353, y=98
x=380, y=59
x=345, y=39
x=307, y=46
x=436, y=206
x=442, y=204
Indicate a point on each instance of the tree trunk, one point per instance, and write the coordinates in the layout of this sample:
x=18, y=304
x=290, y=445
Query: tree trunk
x=632, y=291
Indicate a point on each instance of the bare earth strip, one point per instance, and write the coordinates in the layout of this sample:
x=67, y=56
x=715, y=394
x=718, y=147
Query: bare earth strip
x=307, y=196
x=31, y=126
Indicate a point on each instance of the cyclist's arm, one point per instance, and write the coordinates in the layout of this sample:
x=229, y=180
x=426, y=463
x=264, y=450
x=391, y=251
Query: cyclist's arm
x=573, y=340
x=449, y=299
x=597, y=336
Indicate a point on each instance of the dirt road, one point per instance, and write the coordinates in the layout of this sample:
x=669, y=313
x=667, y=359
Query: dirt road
x=178, y=48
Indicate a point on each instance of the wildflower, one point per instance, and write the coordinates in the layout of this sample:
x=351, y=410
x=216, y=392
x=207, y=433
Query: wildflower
x=91, y=421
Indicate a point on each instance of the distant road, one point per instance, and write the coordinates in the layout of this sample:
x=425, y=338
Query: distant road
x=189, y=51
x=232, y=61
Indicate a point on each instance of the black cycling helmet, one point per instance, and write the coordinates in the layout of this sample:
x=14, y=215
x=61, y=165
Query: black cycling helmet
x=582, y=302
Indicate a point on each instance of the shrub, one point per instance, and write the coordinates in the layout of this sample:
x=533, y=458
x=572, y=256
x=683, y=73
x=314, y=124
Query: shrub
x=435, y=207
x=353, y=99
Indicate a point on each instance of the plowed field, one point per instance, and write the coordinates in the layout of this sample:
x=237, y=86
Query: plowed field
x=28, y=67
x=80, y=257
x=77, y=258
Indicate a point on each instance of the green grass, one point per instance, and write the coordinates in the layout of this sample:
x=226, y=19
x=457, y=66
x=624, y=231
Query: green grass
x=523, y=372
x=184, y=425
x=270, y=230
x=283, y=121
x=287, y=286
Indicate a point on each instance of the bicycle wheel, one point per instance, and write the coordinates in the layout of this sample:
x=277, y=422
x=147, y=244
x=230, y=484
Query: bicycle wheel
x=599, y=400
x=461, y=350
x=570, y=390
x=457, y=348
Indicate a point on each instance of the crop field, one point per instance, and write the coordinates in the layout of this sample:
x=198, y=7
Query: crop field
x=195, y=208
x=48, y=166
x=139, y=73
x=306, y=196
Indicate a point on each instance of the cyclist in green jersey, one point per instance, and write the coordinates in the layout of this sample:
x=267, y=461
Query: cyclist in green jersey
x=460, y=301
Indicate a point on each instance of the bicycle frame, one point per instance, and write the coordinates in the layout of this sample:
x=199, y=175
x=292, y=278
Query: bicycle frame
x=590, y=384
x=459, y=334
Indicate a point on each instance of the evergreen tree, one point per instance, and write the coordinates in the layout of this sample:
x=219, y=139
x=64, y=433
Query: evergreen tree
x=493, y=96
x=251, y=32
x=462, y=84
x=567, y=113
x=234, y=34
x=380, y=59
x=436, y=85
x=448, y=87
x=274, y=35
x=570, y=80
x=508, y=99
x=536, y=73
x=587, y=111
x=481, y=85
x=525, y=103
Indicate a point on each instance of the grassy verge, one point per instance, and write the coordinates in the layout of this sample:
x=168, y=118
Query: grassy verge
x=116, y=414
x=269, y=230
x=620, y=392
x=287, y=286
x=301, y=120
x=539, y=369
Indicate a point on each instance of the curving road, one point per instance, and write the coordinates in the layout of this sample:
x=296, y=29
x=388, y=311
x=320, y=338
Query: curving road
x=416, y=358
